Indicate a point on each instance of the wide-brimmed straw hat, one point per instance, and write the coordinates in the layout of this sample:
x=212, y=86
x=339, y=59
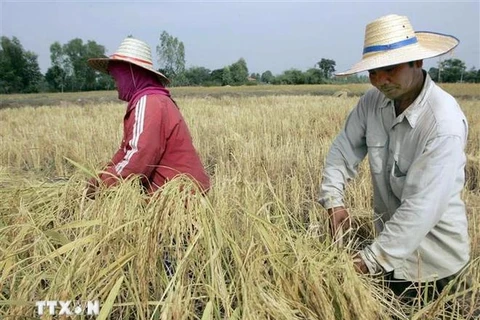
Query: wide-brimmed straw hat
x=133, y=51
x=391, y=40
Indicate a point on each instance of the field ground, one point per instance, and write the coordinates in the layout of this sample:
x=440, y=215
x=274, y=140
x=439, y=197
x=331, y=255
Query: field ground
x=255, y=248
x=464, y=91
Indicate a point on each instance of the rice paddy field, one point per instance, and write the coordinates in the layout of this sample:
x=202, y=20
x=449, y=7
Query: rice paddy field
x=257, y=247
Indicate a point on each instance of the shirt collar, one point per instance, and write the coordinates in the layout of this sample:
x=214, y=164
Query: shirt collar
x=413, y=111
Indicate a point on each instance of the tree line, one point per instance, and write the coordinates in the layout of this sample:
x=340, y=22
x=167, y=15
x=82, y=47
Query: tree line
x=69, y=72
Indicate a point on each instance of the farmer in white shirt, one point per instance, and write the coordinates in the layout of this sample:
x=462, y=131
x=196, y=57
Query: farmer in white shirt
x=414, y=134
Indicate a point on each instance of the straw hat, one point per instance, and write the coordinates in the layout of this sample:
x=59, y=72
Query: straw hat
x=133, y=51
x=391, y=40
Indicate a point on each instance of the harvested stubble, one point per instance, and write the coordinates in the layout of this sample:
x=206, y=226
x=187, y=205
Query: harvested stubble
x=244, y=254
x=254, y=265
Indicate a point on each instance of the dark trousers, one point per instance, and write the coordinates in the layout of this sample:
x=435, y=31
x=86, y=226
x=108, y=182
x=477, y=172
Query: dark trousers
x=422, y=293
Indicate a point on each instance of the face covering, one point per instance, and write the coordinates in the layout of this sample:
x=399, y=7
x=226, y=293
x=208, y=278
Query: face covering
x=132, y=81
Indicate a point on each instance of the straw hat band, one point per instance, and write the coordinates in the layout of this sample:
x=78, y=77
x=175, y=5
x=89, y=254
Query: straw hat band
x=391, y=46
x=123, y=57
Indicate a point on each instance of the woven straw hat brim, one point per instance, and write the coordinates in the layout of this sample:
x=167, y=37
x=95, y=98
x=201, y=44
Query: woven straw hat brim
x=429, y=45
x=101, y=64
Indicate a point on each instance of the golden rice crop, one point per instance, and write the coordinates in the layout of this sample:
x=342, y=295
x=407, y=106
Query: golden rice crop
x=254, y=248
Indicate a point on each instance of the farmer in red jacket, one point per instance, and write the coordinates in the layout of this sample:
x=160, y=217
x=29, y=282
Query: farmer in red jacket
x=156, y=144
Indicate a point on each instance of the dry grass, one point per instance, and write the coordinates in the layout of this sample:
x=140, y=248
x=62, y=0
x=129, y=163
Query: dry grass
x=460, y=90
x=244, y=253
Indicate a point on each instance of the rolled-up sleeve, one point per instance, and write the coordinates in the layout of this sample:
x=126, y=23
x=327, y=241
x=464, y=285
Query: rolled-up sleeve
x=432, y=180
x=347, y=151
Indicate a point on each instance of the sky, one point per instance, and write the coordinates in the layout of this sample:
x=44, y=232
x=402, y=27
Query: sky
x=269, y=35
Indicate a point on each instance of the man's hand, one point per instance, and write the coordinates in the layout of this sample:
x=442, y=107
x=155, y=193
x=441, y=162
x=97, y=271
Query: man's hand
x=339, y=219
x=92, y=186
x=359, y=265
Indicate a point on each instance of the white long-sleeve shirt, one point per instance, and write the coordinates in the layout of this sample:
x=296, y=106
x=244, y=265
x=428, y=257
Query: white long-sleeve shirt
x=417, y=163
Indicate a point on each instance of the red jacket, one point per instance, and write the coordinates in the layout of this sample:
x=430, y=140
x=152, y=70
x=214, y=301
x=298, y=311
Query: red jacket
x=156, y=145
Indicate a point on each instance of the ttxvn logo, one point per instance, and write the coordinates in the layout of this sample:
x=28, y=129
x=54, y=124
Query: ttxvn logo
x=67, y=308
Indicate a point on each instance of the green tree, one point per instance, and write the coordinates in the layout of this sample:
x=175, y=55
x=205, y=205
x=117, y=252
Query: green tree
x=451, y=70
x=354, y=78
x=32, y=72
x=433, y=73
x=216, y=77
x=314, y=76
x=19, y=70
x=171, y=57
x=239, y=72
x=196, y=76
x=227, y=78
x=61, y=69
x=471, y=75
x=92, y=79
x=267, y=77
x=55, y=78
x=12, y=64
x=75, y=52
x=70, y=71
x=105, y=82
x=292, y=76
x=327, y=66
